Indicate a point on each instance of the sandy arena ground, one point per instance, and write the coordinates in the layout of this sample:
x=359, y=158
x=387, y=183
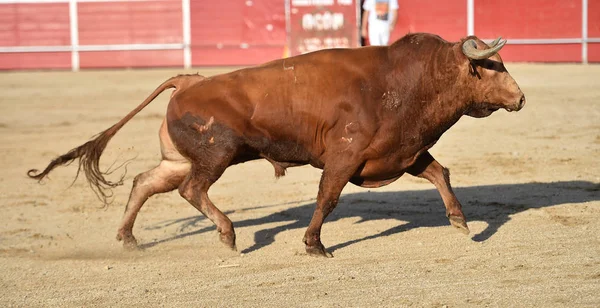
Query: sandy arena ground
x=528, y=181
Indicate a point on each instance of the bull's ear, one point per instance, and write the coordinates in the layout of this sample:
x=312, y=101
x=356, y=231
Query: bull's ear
x=470, y=50
x=473, y=69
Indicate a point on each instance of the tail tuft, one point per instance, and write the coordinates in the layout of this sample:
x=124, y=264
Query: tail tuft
x=88, y=155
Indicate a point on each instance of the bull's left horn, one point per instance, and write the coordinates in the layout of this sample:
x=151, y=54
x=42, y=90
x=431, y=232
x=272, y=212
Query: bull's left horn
x=495, y=42
x=470, y=50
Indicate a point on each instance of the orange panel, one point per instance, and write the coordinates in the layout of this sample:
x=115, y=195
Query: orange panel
x=447, y=19
x=594, y=53
x=39, y=60
x=137, y=58
x=594, y=19
x=235, y=56
x=542, y=53
x=237, y=32
x=149, y=22
x=528, y=19
x=34, y=24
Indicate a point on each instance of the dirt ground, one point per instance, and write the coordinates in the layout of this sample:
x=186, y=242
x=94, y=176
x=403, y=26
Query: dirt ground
x=528, y=181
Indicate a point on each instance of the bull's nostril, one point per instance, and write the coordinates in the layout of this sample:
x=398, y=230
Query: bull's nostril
x=522, y=102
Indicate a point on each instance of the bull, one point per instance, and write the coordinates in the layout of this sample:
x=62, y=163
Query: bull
x=365, y=116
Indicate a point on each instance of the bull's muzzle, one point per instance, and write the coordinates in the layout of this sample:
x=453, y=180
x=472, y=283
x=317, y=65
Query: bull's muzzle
x=519, y=105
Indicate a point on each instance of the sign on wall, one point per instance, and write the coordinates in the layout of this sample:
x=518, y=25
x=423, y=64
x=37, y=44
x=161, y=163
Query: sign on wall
x=319, y=24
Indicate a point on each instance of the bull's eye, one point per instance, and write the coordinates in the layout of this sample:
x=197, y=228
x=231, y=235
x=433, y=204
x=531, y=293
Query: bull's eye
x=489, y=64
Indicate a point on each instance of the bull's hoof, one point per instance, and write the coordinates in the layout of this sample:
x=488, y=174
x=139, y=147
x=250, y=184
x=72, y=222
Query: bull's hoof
x=459, y=223
x=129, y=241
x=318, y=251
x=228, y=239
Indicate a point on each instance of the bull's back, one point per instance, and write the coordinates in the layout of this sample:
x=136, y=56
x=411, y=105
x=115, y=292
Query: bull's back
x=302, y=98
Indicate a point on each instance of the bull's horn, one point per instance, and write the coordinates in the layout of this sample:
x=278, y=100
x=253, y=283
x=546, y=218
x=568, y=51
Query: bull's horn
x=470, y=50
x=495, y=42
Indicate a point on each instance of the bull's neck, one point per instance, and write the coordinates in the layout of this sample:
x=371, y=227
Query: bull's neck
x=444, y=109
x=437, y=97
x=448, y=100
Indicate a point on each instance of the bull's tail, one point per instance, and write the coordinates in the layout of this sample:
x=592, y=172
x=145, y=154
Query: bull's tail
x=89, y=153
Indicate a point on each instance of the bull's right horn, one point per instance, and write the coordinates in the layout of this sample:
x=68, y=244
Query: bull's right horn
x=470, y=50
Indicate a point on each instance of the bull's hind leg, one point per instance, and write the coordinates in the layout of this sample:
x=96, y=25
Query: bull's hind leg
x=428, y=168
x=195, y=190
x=167, y=176
x=211, y=148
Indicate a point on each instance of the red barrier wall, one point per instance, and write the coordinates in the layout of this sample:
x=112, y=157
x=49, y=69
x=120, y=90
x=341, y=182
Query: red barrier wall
x=150, y=33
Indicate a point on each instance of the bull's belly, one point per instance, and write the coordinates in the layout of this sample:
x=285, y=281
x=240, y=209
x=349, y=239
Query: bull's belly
x=283, y=151
x=381, y=172
x=372, y=183
x=377, y=173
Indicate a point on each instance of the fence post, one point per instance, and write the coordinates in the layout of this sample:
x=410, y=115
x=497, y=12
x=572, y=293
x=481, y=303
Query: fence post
x=287, y=49
x=187, y=34
x=74, y=27
x=584, y=31
x=470, y=17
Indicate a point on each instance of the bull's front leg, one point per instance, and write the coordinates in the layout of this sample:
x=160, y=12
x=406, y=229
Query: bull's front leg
x=428, y=168
x=335, y=176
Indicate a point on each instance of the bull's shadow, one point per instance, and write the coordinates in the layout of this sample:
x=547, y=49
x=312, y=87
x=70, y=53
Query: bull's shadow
x=493, y=204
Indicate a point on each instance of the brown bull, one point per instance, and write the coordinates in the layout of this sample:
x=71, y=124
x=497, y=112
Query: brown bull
x=365, y=116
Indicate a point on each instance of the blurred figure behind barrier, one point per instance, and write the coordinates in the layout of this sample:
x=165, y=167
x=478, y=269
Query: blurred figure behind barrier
x=378, y=20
